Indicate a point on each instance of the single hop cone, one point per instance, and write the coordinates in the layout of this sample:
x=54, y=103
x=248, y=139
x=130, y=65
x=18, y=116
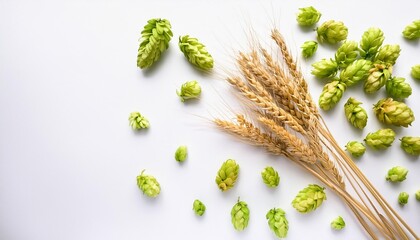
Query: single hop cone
x=372, y=40
x=309, y=198
x=355, y=72
x=331, y=94
x=270, y=177
x=415, y=72
x=240, y=215
x=355, y=114
x=227, y=175
x=325, y=68
x=393, y=112
x=308, y=16
x=309, y=48
x=148, y=185
x=338, y=223
x=199, y=208
x=332, y=32
x=412, y=31
x=377, y=78
x=196, y=52
x=403, y=198
x=355, y=148
x=397, y=174
x=388, y=54
x=411, y=145
x=380, y=139
x=138, y=121
x=277, y=222
x=346, y=53
x=397, y=87
x=189, y=90
x=155, y=40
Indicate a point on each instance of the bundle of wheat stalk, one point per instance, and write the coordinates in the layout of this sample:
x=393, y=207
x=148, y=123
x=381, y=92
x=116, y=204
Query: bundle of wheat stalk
x=285, y=121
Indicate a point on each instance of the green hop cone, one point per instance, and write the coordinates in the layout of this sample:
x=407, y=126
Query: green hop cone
x=196, y=52
x=270, y=177
x=411, y=145
x=138, y=121
x=338, y=223
x=412, y=31
x=277, y=222
x=332, y=32
x=227, y=175
x=240, y=215
x=148, y=185
x=388, y=54
x=397, y=87
x=189, y=90
x=355, y=148
x=155, y=40
x=418, y=195
x=355, y=114
x=355, y=72
x=377, y=78
x=309, y=48
x=393, y=112
x=324, y=68
x=415, y=72
x=331, y=94
x=380, y=139
x=181, y=153
x=346, y=53
x=372, y=40
x=199, y=207
x=403, y=198
x=397, y=174
x=308, y=16
x=309, y=198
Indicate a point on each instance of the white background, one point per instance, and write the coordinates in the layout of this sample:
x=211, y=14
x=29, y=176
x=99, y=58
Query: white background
x=69, y=160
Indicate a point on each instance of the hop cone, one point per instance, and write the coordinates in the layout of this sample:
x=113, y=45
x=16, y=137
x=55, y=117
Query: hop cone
x=403, y=198
x=324, y=68
x=309, y=48
x=332, y=32
x=393, y=112
x=418, y=195
x=338, y=223
x=308, y=16
x=380, y=139
x=388, y=54
x=270, y=177
x=411, y=145
x=227, y=175
x=346, y=54
x=331, y=94
x=355, y=72
x=155, y=40
x=397, y=174
x=355, y=148
x=371, y=41
x=355, y=114
x=415, y=72
x=377, y=78
x=196, y=52
x=199, y=208
x=412, y=31
x=309, y=199
x=397, y=87
x=189, y=90
x=148, y=185
x=138, y=121
x=181, y=153
x=277, y=222
x=240, y=215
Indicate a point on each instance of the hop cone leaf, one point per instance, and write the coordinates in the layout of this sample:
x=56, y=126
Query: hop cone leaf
x=403, y=198
x=148, y=185
x=355, y=114
x=309, y=199
x=324, y=68
x=138, y=121
x=309, y=48
x=355, y=148
x=199, y=207
x=338, y=223
x=155, y=40
x=372, y=40
x=270, y=177
x=196, y=52
x=388, y=54
x=411, y=145
x=377, y=78
x=380, y=139
x=355, y=72
x=331, y=94
x=346, y=53
x=181, y=153
x=308, y=16
x=397, y=174
x=277, y=222
x=415, y=72
x=240, y=215
x=227, y=175
x=393, y=112
x=412, y=31
x=398, y=88
x=332, y=32
x=189, y=90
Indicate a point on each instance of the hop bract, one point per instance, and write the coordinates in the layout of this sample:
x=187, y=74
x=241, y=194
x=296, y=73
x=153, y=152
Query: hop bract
x=415, y=72
x=331, y=94
x=380, y=139
x=199, y=208
x=227, y=175
x=397, y=174
x=393, y=112
x=338, y=223
x=277, y=222
x=309, y=199
x=308, y=16
x=240, y=215
x=412, y=31
x=411, y=145
x=148, y=185
x=309, y=48
x=378, y=75
x=372, y=40
x=196, y=52
x=397, y=87
x=355, y=114
x=403, y=198
x=189, y=90
x=270, y=177
x=332, y=32
x=355, y=148
x=138, y=121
